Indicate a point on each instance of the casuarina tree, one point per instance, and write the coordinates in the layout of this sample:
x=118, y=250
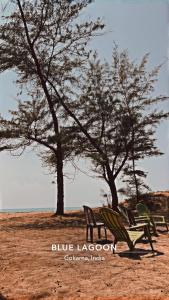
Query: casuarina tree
x=118, y=109
x=44, y=42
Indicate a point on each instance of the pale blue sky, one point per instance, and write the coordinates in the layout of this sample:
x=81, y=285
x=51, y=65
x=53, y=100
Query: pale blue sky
x=139, y=26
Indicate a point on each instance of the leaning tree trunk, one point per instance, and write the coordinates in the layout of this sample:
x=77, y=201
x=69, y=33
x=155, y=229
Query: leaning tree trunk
x=59, y=156
x=112, y=186
x=113, y=190
x=114, y=195
x=60, y=180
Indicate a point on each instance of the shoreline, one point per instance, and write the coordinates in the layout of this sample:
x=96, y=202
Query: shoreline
x=38, y=209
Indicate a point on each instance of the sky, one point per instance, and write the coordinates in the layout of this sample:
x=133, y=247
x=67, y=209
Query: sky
x=141, y=27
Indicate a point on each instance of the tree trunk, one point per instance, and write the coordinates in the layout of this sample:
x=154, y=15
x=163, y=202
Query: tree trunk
x=135, y=181
x=112, y=186
x=59, y=156
x=133, y=162
x=114, y=195
x=60, y=181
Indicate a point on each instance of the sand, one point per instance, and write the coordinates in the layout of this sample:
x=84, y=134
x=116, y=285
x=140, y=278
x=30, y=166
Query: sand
x=31, y=270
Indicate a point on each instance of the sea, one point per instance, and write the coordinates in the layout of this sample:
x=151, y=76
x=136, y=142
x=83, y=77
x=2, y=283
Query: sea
x=42, y=209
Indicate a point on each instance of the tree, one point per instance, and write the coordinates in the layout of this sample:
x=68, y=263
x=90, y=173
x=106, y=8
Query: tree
x=135, y=183
x=30, y=125
x=44, y=42
x=119, y=112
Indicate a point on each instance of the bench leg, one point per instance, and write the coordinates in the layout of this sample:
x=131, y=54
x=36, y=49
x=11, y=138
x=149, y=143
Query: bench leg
x=105, y=232
x=87, y=231
x=91, y=234
x=148, y=234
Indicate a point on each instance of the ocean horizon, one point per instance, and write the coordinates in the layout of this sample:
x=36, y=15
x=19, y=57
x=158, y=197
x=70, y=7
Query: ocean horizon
x=34, y=209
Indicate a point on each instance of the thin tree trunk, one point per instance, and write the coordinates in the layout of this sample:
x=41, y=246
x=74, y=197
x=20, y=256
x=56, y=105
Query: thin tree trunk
x=133, y=162
x=135, y=181
x=60, y=181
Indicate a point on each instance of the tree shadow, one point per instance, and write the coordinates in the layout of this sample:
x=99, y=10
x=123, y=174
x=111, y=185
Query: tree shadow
x=44, y=225
x=79, y=214
x=137, y=253
x=39, y=296
x=53, y=221
x=104, y=241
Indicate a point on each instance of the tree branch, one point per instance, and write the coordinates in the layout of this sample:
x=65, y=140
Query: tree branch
x=71, y=114
x=39, y=141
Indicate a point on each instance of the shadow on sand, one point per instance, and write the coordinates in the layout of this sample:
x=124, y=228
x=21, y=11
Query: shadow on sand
x=135, y=254
x=41, y=224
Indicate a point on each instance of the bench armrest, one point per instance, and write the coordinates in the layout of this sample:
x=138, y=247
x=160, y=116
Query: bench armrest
x=157, y=218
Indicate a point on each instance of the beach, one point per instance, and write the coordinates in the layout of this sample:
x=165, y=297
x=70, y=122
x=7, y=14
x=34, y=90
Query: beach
x=32, y=269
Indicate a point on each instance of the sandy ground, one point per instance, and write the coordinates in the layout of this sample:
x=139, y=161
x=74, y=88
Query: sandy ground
x=29, y=269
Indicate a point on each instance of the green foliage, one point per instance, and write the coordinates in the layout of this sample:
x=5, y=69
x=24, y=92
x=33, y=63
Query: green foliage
x=53, y=33
x=43, y=41
x=119, y=109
